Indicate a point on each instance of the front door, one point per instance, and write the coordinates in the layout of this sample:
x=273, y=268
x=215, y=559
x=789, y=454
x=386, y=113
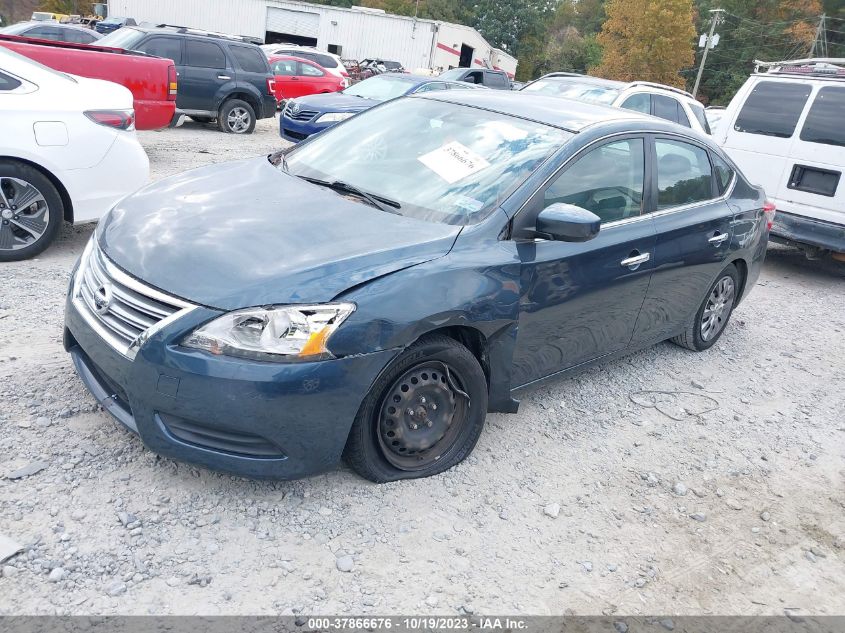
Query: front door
x=285, y=75
x=694, y=235
x=580, y=301
x=205, y=72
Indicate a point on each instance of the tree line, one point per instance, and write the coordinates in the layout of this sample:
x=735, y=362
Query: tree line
x=651, y=40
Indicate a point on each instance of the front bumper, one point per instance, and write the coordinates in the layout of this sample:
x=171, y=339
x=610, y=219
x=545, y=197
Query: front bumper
x=256, y=419
x=789, y=228
x=296, y=131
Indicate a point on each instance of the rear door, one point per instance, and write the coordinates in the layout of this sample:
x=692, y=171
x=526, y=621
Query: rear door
x=312, y=78
x=760, y=136
x=205, y=73
x=812, y=181
x=285, y=74
x=693, y=223
x=251, y=67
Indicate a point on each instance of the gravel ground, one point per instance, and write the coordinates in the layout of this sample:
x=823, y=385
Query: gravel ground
x=595, y=499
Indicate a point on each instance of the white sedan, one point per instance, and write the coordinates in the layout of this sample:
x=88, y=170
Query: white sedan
x=68, y=151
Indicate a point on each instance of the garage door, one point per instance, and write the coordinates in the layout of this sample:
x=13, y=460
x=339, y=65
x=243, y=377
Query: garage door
x=293, y=22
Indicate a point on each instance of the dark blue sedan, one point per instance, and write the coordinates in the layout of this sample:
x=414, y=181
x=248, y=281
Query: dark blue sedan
x=374, y=292
x=305, y=116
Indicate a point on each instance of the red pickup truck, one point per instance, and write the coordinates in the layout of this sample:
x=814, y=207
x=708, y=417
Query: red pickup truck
x=152, y=80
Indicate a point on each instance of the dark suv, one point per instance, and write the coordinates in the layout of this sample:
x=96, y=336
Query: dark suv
x=497, y=79
x=221, y=77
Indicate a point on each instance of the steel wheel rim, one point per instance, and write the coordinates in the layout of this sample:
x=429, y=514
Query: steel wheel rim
x=718, y=308
x=238, y=120
x=24, y=214
x=422, y=416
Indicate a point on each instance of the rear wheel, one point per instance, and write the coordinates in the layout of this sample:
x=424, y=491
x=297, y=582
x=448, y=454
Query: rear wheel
x=31, y=211
x=422, y=416
x=236, y=117
x=713, y=315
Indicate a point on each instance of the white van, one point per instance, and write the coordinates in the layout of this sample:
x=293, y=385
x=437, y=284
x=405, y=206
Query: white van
x=785, y=128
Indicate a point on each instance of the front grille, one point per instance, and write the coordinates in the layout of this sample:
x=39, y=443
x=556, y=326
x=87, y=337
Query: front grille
x=302, y=115
x=124, y=311
x=299, y=136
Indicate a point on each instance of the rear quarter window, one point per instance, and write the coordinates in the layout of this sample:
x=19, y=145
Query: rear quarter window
x=249, y=59
x=701, y=116
x=8, y=83
x=757, y=115
x=826, y=119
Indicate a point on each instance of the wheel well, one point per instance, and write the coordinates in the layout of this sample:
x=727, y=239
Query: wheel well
x=473, y=340
x=244, y=96
x=742, y=268
x=63, y=194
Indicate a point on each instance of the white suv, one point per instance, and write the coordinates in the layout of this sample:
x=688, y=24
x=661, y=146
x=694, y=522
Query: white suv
x=785, y=128
x=329, y=61
x=658, y=100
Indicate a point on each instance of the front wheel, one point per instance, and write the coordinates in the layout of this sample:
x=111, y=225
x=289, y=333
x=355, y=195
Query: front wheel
x=713, y=315
x=236, y=117
x=422, y=416
x=31, y=211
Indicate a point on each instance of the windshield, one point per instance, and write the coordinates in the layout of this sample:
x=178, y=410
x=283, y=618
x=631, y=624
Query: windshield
x=381, y=88
x=125, y=38
x=574, y=88
x=438, y=161
x=453, y=74
x=40, y=16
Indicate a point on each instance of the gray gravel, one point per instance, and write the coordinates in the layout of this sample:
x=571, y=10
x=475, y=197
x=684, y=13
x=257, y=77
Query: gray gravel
x=581, y=507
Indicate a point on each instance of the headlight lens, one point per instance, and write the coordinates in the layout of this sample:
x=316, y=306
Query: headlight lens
x=281, y=334
x=334, y=117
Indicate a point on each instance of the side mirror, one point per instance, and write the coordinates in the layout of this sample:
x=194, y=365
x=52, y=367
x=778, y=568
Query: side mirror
x=568, y=223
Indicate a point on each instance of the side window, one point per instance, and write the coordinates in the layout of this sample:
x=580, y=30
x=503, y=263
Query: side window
x=683, y=119
x=495, y=80
x=434, y=85
x=285, y=68
x=249, y=59
x=638, y=103
x=46, y=33
x=724, y=173
x=8, y=83
x=698, y=111
x=204, y=54
x=476, y=77
x=759, y=117
x=80, y=37
x=311, y=71
x=665, y=108
x=607, y=181
x=167, y=47
x=684, y=175
x=824, y=122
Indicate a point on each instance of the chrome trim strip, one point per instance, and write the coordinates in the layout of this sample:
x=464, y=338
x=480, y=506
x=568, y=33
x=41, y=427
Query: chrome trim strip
x=635, y=218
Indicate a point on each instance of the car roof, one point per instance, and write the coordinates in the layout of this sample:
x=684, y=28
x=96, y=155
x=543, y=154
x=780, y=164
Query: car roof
x=278, y=58
x=567, y=114
x=588, y=79
x=61, y=25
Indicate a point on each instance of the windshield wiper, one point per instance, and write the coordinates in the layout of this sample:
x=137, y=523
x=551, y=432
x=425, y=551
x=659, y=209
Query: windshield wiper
x=377, y=201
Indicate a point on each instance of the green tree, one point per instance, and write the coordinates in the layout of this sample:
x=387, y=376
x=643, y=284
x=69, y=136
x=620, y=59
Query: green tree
x=647, y=40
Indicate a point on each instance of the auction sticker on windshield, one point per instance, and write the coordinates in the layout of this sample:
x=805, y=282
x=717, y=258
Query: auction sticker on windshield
x=453, y=161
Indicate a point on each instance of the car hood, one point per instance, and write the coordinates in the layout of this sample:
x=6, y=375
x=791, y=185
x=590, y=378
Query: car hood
x=244, y=234
x=335, y=102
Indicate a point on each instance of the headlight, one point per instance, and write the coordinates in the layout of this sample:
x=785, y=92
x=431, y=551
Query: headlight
x=283, y=333
x=334, y=117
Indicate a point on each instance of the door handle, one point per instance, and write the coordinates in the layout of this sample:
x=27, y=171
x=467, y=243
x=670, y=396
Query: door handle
x=634, y=261
x=223, y=77
x=717, y=239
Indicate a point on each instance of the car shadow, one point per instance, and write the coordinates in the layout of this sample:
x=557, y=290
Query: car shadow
x=787, y=260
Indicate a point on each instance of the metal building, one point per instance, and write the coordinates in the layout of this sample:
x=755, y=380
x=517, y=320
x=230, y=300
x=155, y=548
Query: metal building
x=356, y=33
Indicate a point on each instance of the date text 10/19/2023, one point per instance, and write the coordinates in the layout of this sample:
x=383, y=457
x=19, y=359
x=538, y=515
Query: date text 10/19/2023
x=416, y=623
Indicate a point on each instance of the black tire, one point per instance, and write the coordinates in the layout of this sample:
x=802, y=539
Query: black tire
x=366, y=450
x=46, y=212
x=236, y=109
x=201, y=119
x=695, y=337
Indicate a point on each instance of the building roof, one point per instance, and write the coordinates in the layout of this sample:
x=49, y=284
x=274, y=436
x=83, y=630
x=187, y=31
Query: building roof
x=563, y=113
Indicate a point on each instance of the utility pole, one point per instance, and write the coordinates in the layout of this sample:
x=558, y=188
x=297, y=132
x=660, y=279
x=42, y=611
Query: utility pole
x=714, y=20
x=820, y=40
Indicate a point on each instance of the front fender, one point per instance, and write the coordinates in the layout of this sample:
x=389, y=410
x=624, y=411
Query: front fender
x=476, y=286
